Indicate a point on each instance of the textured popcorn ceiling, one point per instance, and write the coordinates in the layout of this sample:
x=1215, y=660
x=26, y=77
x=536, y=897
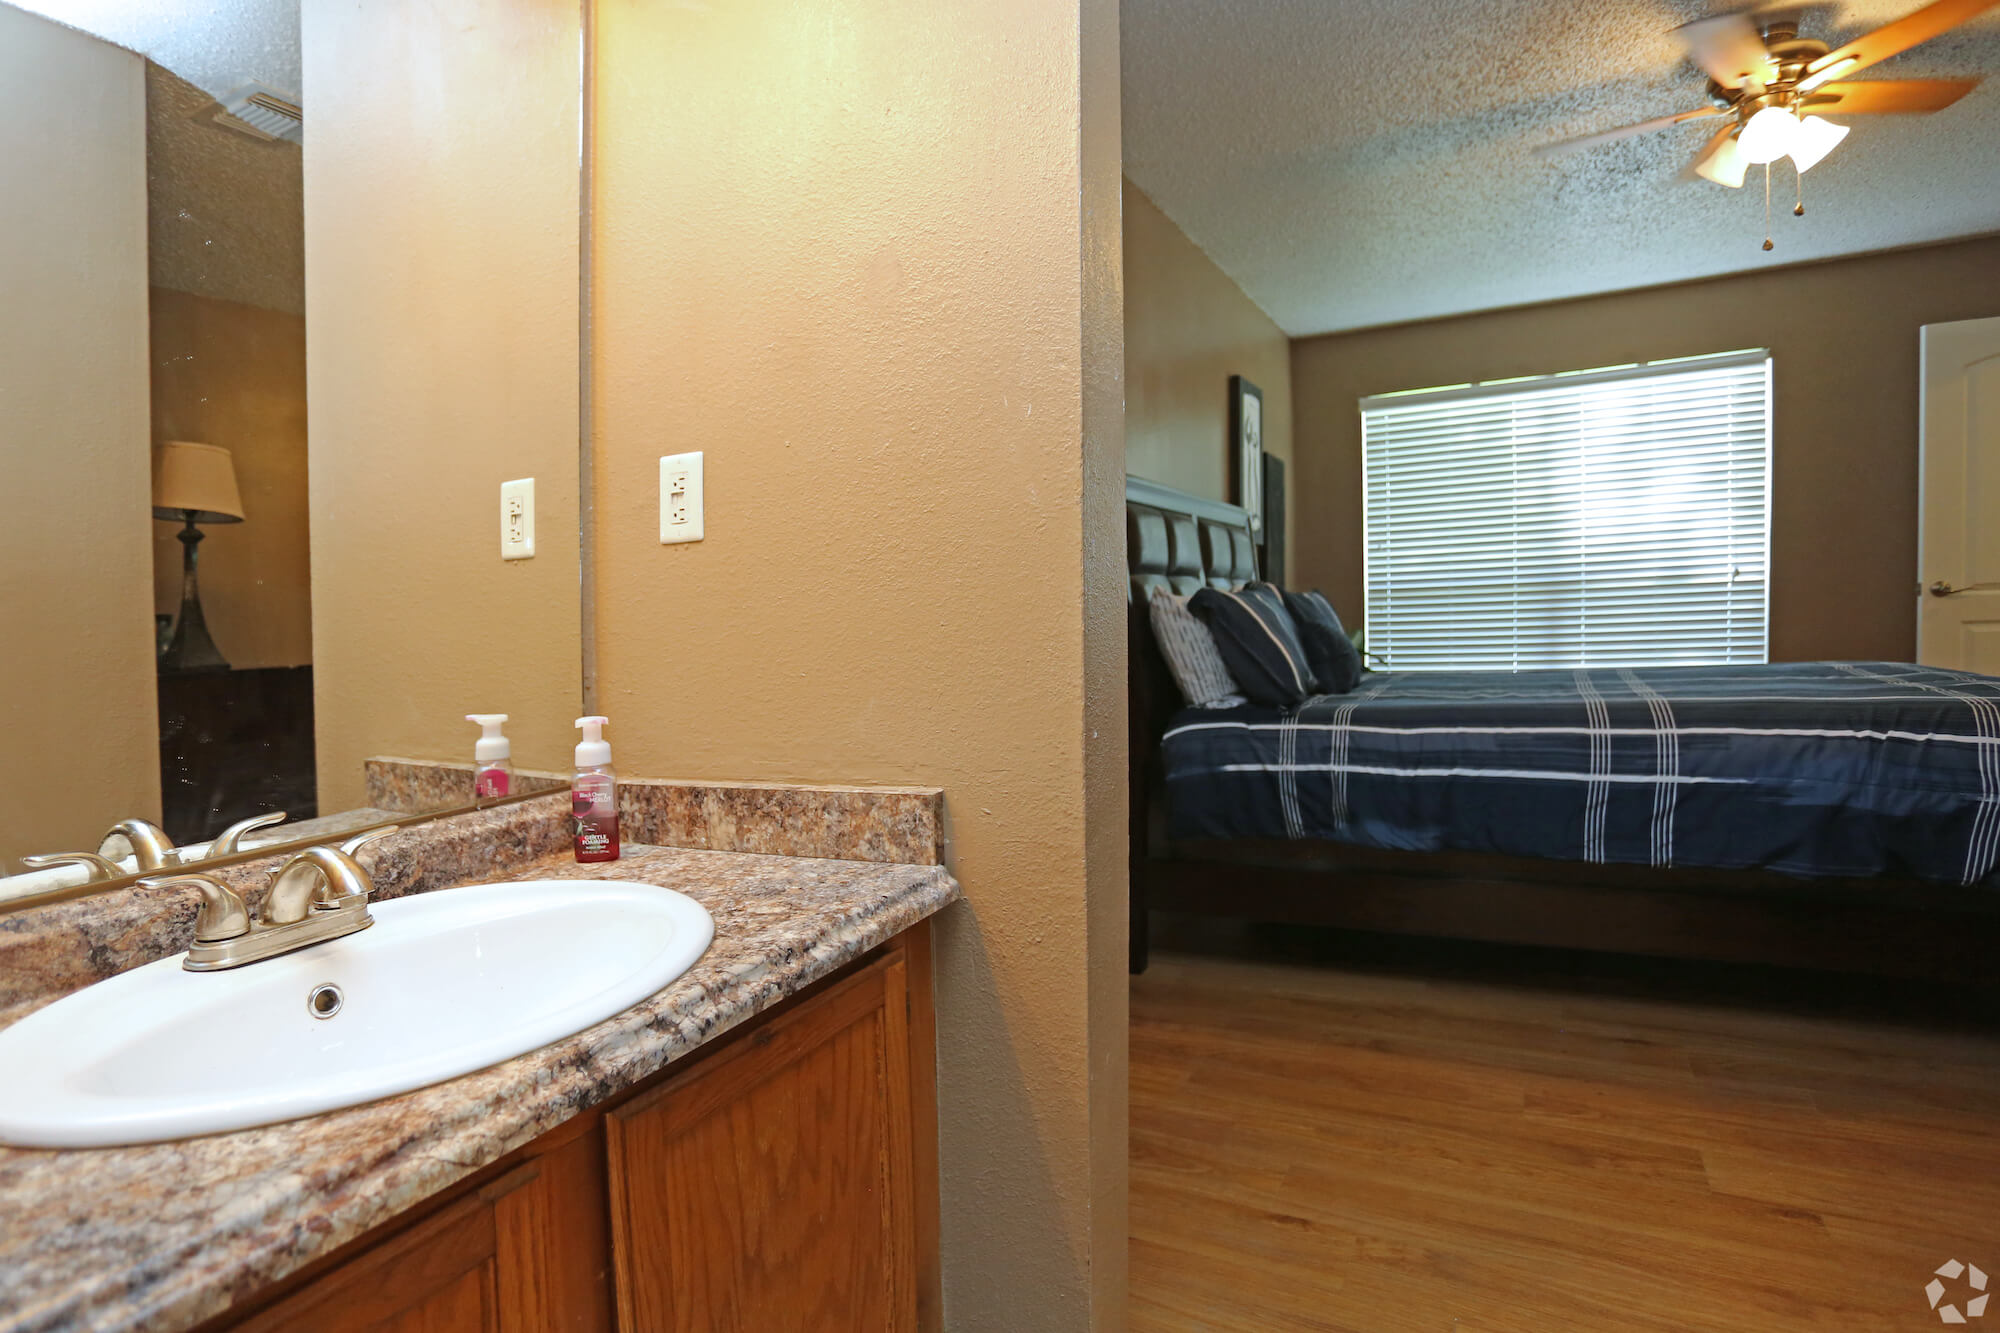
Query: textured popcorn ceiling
x=1360, y=162
x=225, y=211
x=225, y=215
x=217, y=45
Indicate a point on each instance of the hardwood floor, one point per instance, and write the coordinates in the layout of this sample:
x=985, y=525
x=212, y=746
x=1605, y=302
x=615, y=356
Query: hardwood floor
x=1321, y=1145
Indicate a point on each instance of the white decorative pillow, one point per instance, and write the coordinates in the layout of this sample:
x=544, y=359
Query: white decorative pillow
x=1192, y=657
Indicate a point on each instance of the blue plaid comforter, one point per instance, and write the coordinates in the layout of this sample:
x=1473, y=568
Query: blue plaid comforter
x=1813, y=768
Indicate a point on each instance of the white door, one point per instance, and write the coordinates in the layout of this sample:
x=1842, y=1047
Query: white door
x=1958, y=544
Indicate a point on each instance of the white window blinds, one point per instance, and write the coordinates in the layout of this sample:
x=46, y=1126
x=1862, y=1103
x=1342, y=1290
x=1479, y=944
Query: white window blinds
x=1602, y=518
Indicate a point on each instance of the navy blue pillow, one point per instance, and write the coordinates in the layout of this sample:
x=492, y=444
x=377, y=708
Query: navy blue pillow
x=1258, y=642
x=1335, y=661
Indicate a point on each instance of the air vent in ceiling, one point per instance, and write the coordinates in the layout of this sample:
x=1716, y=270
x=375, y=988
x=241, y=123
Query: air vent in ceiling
x=263, y=113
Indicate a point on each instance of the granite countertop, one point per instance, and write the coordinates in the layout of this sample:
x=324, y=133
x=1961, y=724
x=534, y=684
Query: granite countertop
x=162, y=1236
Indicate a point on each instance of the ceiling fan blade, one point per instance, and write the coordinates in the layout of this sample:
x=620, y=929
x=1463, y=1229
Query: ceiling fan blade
x=1891, y=39
x=1583, y=141
x=1888, y=96
x=1727, y=48
x=1719, y=160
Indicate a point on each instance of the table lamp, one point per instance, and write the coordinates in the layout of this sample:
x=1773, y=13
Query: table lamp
x=193, y=483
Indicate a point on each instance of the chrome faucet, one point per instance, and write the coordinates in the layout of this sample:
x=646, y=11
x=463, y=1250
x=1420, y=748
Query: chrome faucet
x=144, y=841
x=150, y=846
x=318, y=895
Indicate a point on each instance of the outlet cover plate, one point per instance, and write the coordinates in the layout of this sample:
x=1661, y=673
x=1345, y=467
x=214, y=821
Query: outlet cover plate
x=517, y=519
x=680, y=498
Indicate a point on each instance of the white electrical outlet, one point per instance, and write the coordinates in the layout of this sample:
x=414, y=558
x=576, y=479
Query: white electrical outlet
x=517, y=519
x=680, y=498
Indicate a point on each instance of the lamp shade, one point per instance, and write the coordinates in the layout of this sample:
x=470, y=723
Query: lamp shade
x=198, y=478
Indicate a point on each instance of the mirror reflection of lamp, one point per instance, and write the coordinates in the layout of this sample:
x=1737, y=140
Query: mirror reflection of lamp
x=193, y=483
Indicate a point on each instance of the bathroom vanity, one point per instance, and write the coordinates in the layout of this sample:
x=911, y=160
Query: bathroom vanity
x=750, y=1144
x=784, y=1169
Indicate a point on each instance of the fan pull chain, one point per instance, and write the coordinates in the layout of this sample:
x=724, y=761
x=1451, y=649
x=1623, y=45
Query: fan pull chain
x=1799, y=204
x=1767, y=206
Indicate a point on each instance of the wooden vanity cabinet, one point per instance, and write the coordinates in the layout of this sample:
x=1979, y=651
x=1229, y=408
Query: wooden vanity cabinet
x=526, y=1250
x=784, y=1176
x=774, y=1187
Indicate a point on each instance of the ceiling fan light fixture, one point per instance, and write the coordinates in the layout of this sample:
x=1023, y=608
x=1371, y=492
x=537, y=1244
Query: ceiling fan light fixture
x=1814, y=140
x=1828, y=74
x=1724, y=164
x=1768, y=135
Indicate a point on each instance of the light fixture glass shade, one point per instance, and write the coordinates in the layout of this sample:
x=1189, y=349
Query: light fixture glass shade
x=1816, y=138
x=1768, y=135
x=195, y=477
x=1724, y=164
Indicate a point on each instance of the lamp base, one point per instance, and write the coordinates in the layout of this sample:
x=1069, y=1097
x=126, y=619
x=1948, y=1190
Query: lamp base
x=191, y=648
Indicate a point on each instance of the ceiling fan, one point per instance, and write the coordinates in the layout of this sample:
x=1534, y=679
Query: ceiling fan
x=1770, y=85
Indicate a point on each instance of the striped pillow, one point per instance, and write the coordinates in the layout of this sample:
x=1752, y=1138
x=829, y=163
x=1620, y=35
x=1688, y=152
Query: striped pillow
x=1335, y=661
x=1192, y=657
x=1259, y=643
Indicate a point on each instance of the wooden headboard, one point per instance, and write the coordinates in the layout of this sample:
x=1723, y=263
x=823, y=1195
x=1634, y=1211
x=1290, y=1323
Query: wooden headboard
x=1182, y=542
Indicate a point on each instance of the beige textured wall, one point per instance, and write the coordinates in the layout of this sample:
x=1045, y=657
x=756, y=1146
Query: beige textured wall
x=79, y=725
x=1188, y=328
x=864, y=255
x=1843, y=337
x=235, y=375
x=441, y=199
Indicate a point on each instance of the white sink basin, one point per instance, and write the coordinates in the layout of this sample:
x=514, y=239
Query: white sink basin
x=444, y=983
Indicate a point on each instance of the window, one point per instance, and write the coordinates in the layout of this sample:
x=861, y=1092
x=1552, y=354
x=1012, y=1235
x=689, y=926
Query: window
x=1614, y=517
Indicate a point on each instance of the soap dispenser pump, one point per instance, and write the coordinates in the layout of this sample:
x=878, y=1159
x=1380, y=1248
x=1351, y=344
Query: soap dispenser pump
x=593, y=794
x=492, y=757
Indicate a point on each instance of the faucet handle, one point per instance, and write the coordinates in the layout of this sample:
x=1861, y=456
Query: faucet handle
x=227, y=841
x=222, y=916
x=99, y=867
x=360, y=840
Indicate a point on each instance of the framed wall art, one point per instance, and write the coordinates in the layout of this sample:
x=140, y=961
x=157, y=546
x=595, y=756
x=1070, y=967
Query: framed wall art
x=1246, y=451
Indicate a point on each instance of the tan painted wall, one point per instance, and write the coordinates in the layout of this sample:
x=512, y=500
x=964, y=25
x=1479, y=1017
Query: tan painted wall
x=1843, y=336
x=441, y=192
x=78, y=709
x=235, y=375
x=1188, y=328
x=864, y=256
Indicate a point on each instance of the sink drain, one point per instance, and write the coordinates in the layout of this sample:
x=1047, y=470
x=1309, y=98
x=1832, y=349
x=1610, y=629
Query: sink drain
x=324, y=1000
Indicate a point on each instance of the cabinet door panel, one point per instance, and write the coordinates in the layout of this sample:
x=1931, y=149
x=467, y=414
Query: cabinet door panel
x=554, y=1270
x=467, y=1303
x=526, y=1253
x=437, y=1277
x=771, y=1186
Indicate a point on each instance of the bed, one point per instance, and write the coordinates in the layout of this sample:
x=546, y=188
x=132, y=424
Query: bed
x=1832, y=814
x=1819, y=769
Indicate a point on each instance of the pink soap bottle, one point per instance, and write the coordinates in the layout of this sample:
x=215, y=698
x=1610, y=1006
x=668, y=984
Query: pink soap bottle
x=593, y=794
x=492, y=757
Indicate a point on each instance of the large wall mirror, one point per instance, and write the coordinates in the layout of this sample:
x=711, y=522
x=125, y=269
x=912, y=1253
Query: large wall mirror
x=290, y=290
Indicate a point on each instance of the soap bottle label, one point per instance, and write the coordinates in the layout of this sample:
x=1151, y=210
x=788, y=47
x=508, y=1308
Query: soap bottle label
x=594, y=804
x=490, y=782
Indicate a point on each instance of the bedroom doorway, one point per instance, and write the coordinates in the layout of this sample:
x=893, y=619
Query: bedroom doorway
x=1958, y=611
